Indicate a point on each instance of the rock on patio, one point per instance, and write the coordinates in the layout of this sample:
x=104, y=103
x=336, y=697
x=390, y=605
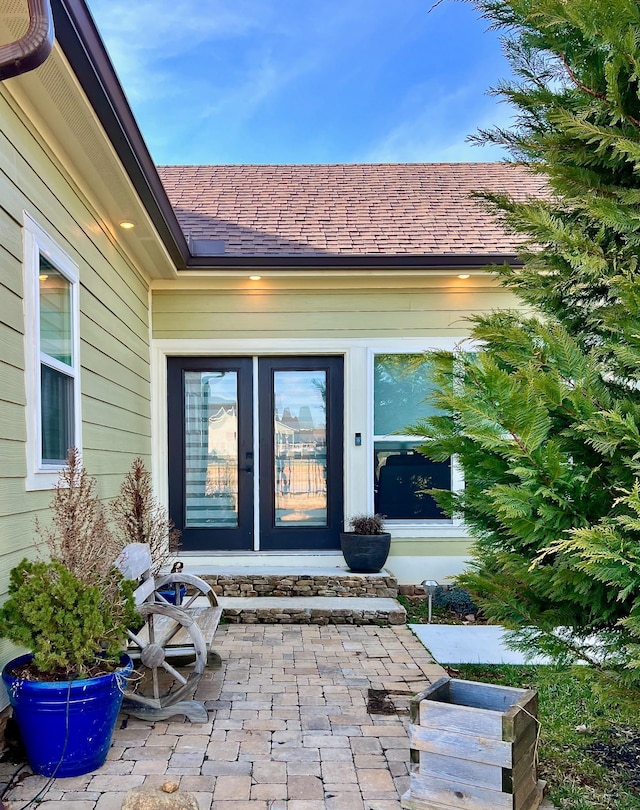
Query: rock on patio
x=294, y=725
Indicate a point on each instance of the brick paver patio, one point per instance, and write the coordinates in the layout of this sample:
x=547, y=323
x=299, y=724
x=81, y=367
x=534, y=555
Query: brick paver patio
x=289, y=727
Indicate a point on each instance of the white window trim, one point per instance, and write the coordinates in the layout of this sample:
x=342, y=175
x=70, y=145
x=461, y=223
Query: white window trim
x=452, y=527
x=358, y=417
x=36, y=242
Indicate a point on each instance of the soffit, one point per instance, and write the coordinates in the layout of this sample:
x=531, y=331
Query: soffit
x=67, y=125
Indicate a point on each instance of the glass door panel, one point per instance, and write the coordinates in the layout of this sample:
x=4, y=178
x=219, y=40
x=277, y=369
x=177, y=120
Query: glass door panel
x=211, y=451
x=211, y=448
x=300, y=448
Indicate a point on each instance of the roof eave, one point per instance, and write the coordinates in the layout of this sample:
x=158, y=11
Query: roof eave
x=79, y=39
x=83, y=47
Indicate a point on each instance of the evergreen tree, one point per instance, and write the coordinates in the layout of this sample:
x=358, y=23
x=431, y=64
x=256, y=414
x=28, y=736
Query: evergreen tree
x=545, y=419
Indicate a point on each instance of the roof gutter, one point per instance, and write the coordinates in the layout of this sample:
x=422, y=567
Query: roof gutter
x=31, y=50
x=474, y=261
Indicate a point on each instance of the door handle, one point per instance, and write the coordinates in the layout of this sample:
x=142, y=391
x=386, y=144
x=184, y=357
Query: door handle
x=246, y=469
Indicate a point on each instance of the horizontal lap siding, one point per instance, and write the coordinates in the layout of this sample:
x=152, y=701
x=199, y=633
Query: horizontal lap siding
x=114, y=350
x=375, y=312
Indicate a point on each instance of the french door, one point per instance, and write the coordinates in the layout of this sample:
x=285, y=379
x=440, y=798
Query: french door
x=256, y=452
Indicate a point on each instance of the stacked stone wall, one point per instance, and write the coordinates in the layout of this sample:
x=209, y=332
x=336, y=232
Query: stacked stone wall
x=343, y=584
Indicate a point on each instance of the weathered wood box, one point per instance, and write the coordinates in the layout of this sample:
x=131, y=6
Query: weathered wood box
x=473, y=746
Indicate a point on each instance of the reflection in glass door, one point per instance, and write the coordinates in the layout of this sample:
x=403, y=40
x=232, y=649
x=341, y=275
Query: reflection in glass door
x=300, y=447
x=211, y=448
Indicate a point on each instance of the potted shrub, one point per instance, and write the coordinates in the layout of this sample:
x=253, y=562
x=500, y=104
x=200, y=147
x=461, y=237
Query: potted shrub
x=72, y=612
x=366, y=547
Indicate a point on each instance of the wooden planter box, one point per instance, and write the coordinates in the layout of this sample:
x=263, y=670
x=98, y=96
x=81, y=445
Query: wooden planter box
x=473, y=746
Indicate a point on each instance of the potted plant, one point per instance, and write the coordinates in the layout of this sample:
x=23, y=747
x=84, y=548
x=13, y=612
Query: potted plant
x=71, y=611
x=366, y=547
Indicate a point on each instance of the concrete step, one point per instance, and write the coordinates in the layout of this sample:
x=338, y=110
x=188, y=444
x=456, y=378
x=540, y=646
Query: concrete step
x=312, y=610
x=246, y=581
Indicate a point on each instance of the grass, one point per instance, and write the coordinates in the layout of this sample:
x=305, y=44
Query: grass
x=577, y=778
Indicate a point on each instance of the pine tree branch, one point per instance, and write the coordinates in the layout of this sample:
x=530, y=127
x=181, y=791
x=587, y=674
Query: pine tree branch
x=589, y=91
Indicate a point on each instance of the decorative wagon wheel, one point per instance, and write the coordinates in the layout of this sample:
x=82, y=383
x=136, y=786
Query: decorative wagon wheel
x=167, y=632
x=172, y=582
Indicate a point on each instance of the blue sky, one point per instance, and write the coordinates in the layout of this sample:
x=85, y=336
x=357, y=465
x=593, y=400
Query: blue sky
x=305, y=81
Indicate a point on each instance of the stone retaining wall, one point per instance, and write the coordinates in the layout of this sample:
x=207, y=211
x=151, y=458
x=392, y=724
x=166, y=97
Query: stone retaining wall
x=251, y=585
x=291, y=615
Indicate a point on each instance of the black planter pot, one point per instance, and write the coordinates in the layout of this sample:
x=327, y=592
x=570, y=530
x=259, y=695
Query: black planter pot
x=365, y=553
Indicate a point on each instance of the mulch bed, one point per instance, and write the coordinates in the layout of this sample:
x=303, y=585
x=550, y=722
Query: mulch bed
x=620, y=752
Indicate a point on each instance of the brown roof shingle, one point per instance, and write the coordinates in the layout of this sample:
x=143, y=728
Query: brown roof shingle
x=345, y=210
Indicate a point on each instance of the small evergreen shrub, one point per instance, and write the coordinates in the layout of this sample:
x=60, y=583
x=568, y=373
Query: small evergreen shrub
x=367, y=524
x=68, y=625
x=455, y=599
x=73, y=610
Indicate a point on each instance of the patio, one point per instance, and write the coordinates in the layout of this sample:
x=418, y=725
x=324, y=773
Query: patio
x=293, y=726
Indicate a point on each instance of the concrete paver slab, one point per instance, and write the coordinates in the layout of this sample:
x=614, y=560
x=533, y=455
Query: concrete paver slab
x=469, y=644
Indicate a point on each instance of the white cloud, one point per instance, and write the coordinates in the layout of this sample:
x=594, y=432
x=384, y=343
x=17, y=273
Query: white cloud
x=438, y=131
x=174, y=27
x=140, y=35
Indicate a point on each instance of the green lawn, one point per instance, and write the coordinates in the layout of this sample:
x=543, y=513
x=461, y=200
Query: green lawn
x=579, y=766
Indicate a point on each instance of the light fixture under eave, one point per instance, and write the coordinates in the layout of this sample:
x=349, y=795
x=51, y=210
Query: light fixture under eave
x=464, y=275
x=255, y=278
x=127, y=225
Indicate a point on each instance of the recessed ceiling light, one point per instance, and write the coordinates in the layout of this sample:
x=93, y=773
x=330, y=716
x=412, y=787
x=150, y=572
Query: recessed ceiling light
x=255, y=278
x=127, y=224
x=463, y=275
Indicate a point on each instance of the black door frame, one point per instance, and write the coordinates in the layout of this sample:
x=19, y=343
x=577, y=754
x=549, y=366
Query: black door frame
x=241, y=538
x=299, y=538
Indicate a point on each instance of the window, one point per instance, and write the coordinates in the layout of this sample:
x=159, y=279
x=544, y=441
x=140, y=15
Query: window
x=401, y=473
x=52, y=356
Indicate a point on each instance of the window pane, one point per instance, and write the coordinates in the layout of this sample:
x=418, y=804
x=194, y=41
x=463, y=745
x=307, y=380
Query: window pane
x=55, y=313
x=211, y=448
x=401, y=475
x=300, y=451
x=401, y=383
x=57, y=415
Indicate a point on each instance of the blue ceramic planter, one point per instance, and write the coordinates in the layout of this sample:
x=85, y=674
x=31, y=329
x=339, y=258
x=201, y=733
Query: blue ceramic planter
x=66, y=726
x=170, y=595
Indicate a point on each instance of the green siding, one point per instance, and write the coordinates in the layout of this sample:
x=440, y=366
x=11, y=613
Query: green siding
x=423, y=309
x=114, y=340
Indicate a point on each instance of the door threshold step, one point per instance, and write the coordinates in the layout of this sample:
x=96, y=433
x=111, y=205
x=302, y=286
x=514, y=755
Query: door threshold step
x=301, y=570
x=312, y=610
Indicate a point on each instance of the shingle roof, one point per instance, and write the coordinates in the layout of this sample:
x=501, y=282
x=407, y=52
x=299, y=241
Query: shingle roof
x=344, y=210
